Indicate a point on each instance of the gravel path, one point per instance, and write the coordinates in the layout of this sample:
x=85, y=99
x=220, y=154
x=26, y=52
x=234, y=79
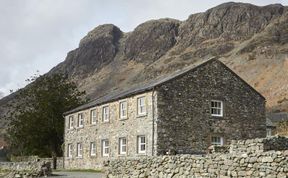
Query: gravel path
x=76, y=175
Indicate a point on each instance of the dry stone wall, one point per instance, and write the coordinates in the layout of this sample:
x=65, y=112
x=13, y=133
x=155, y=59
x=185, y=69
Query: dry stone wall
x=26, y=169
x=254, y=162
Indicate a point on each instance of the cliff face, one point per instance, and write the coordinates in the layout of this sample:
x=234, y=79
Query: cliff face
x=251, y=40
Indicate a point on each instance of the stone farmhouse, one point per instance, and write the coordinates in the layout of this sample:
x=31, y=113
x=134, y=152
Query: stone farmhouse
x=184, y=113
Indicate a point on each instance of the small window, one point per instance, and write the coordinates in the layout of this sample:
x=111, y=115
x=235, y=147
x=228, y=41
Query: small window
x=105, y=113
x=216, y=108
x=105, y=147
x=217, y=140
x=123, y=109
x=80, y=120
x=141, y=106
x=141, y=144
x=93, y=117
x=79, y=150
x=71, y=122
x=122, y=146
x=69, y=150
x=269, y=132
x=92, y=149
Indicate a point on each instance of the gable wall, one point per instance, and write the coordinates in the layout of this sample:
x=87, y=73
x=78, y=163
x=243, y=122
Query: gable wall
x=185, y=123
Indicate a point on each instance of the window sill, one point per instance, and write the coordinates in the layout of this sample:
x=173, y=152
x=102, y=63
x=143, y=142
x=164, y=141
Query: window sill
x=122, y=155
x=92, y=156
x=123, y=119
x=141, y=154
x=141, y=115
x=79, y=157
x=217, y=117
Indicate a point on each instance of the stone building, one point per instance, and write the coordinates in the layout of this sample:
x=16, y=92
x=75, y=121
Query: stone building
x=277, y=123
x=183, y=113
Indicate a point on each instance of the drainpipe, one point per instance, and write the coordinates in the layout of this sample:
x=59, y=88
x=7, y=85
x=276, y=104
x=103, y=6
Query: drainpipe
x=153, y=121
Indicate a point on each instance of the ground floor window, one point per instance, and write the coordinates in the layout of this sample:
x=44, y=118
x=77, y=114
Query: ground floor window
x=215, y=140
x=69, y=150
x=122, y=146
x=92, y=149
x=105, y=147
x=269, y=132
x=141, y=144
x=79, y=150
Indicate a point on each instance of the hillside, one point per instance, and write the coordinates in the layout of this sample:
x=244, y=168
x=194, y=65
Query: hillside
x=251, y=40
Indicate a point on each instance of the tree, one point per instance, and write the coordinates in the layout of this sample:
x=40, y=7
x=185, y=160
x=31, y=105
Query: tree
x=36, y=121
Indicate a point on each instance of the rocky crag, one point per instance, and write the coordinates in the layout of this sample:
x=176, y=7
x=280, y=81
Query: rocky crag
x=251, y=40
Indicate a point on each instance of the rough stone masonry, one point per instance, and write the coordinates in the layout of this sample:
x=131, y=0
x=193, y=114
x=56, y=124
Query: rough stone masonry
x=266, y=157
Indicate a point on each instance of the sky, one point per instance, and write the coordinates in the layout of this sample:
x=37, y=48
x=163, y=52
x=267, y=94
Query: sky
x=36, y=35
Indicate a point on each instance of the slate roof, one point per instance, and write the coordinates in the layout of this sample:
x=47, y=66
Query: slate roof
x=277, y=117
x=149, y=86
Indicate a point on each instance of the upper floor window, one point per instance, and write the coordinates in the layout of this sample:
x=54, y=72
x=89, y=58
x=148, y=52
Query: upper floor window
x=79, y=150
x=141, y=144
x=217, y=140
x=105, y=114
x=80, y=120
x=71, y=122
x=141, y=106
x=123, y=109
x=69, y=150
x=92, y=149
x=122, y=146
x=93, y=117
x=105, y=147
x=216, y=108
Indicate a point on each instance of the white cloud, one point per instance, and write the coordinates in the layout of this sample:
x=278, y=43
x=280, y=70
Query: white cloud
x=36, y=35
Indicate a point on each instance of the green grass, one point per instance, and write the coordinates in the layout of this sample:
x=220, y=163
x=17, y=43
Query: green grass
x=79, y=170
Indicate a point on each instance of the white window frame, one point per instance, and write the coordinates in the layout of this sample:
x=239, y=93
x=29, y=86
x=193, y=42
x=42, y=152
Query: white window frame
x=93, y=116
x=105, y=148
x=69, y=150
x=122, y=146
x=80, y=123
x=79, y=150
x=123, y=109
x=216, y=140
x=268, y=132
x=105, y=113
x=217, y=108
x=140, y=144
x=70, y=122
x=92, y=149
x=141, y=105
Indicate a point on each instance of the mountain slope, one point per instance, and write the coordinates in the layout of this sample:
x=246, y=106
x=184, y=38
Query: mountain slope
x=251, y=40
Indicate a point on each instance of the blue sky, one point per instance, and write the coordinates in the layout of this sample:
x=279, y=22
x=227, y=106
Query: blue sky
x=36, y=35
